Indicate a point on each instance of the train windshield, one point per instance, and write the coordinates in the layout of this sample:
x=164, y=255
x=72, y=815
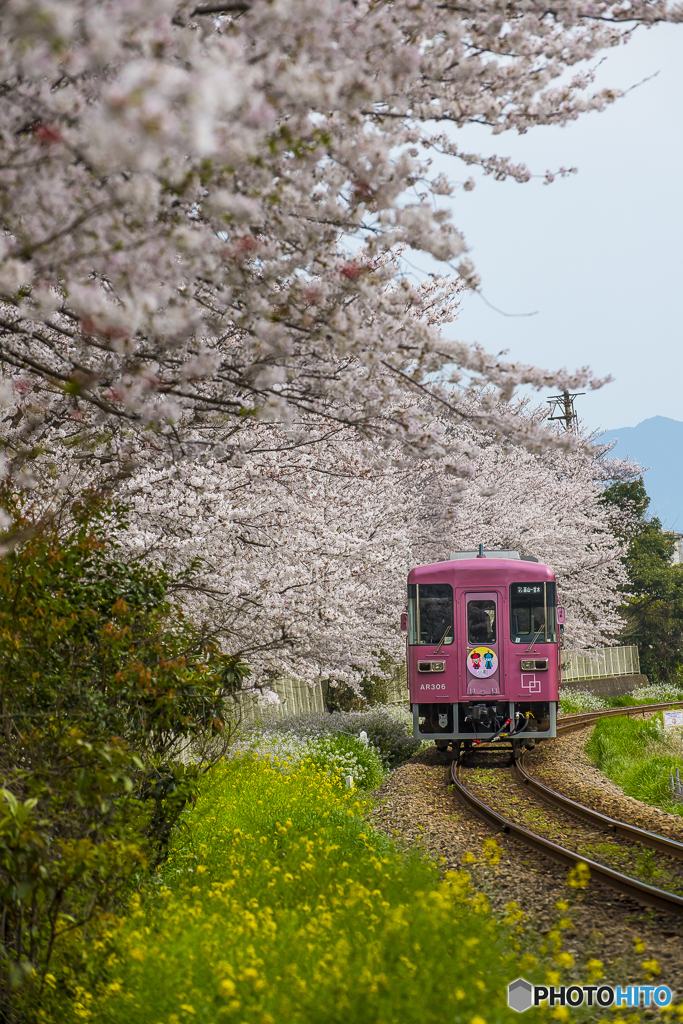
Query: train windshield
x=533, y=613
x=481, y=622
x=430, y=613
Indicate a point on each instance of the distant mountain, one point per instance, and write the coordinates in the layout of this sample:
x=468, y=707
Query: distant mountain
x=657, y=443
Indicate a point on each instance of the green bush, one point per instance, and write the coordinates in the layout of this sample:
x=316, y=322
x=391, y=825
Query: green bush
x=342, y=755
x=389, y=730
x=100, y=679
x=639, y=756
x=279, y=903
x=624, y=701
x=658, y=693
x=574, y=701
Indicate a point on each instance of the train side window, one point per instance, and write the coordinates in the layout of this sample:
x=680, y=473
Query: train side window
x=430, y=613
x=481, y=622
x=533, y=612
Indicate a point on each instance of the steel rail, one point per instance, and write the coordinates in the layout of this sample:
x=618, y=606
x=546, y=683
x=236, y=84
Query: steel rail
x=656, y=842
x=640, y=891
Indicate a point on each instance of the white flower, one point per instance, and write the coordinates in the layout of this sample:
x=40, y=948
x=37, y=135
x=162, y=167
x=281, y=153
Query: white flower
x=13, y=275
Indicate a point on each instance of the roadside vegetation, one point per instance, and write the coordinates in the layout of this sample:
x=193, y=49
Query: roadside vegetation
x=574, y=701
x=102, y=683
x=386, y=730
x=140, y=884
x=279, y=902
x=639, y=755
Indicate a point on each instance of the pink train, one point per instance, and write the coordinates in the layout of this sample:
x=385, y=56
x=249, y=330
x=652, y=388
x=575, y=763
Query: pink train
x=483, y=649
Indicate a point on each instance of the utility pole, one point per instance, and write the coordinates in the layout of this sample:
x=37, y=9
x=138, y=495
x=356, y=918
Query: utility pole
x=562, y=408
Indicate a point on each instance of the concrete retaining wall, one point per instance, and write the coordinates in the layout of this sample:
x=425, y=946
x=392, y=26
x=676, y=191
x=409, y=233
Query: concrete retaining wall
x=608, y=686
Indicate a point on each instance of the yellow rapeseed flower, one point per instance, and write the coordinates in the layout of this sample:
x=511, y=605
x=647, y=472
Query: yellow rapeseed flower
x=491, y=851
x=560, y=1013
x=651, y=967
x=579, y=876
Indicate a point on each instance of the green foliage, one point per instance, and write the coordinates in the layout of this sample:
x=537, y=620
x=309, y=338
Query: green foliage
x=375, y=690
x=279, y=903
x=624, y=701
x=573, y=701
x=374, y=687
x=100, y=679
x=339, y=696
x=344, y=755
x=653, y=605
x=639, y=756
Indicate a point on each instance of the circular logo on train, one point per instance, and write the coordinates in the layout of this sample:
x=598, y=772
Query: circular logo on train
x=482, y=662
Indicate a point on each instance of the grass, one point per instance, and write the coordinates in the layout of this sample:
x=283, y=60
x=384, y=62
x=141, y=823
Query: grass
x=639, y=755
x=575, y=701
x=278, y=902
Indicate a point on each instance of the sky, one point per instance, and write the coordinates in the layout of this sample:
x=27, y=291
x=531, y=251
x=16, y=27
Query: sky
x=599, y=254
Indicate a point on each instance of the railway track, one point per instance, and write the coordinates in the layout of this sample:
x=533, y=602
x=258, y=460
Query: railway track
x=632, y=887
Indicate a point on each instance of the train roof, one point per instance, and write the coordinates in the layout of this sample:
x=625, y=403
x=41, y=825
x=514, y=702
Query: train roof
x=464, y=572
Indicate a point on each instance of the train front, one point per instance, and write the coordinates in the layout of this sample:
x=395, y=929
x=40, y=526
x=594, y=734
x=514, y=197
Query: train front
x=482, y=650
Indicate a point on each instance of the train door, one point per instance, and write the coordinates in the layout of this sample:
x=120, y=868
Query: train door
x=481, y=629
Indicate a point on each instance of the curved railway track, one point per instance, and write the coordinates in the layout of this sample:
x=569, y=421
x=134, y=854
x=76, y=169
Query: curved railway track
x=637, y=890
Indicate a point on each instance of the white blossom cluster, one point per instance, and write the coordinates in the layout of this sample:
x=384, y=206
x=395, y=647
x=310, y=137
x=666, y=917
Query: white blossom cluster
x=658, y=693
x=204, y=206
x=353, y=743
x=340, y=757
x=303, y=552
x=574, y=701
x=388, y=728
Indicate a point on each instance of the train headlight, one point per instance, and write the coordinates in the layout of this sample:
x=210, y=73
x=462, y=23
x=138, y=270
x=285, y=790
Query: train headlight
x=534, y=665
x=431, y=666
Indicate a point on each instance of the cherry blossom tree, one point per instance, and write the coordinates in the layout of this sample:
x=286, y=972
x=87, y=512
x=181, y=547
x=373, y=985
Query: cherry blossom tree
x=544, y=504
x=296, y=554
x=204, y=208
x=203, y=310
x=303, y=552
